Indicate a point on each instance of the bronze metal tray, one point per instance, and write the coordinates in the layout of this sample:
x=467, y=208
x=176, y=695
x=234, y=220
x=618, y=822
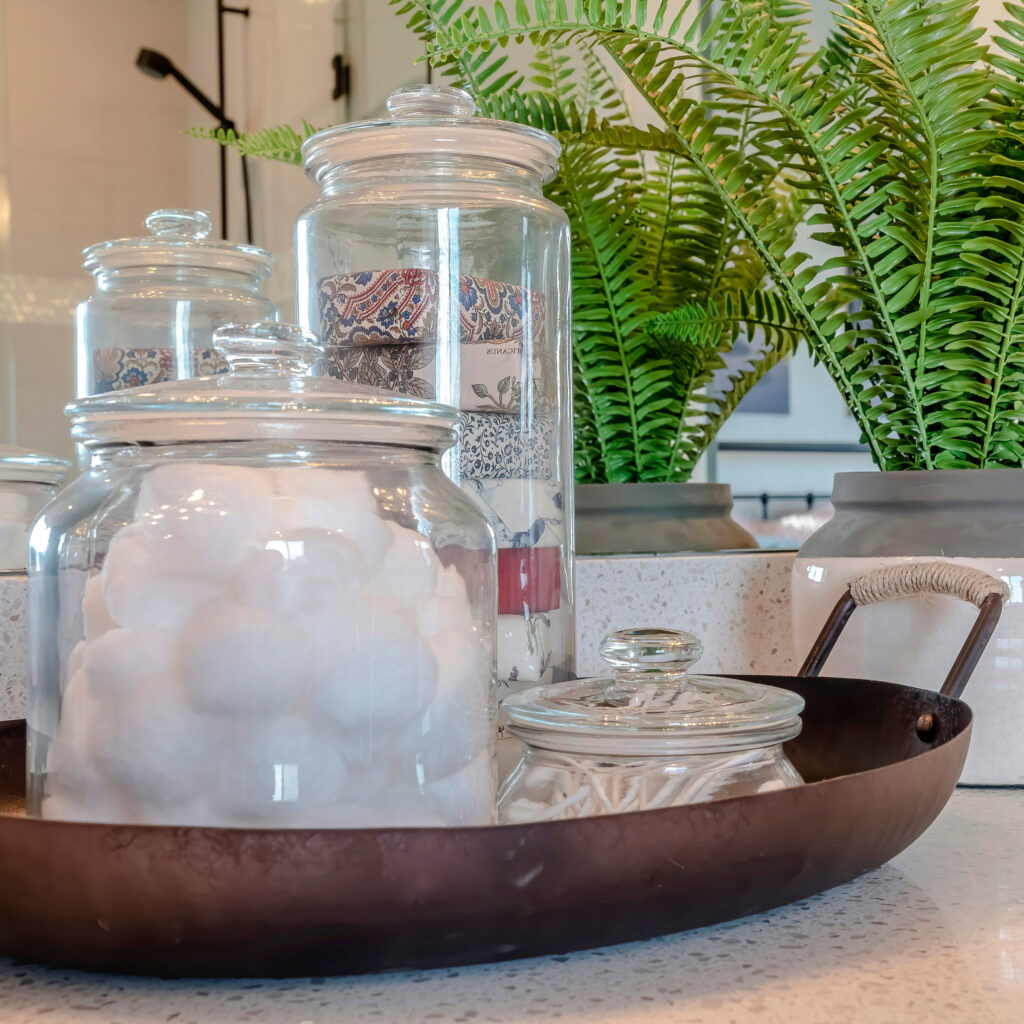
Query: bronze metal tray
x=880, y=760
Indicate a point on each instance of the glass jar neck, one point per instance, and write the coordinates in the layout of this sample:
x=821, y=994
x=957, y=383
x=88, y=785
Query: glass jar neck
x=429, y=171
x=266, y=453
x=171, y=276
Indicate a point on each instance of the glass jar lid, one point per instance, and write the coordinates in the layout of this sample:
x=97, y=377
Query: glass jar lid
x=268, y=392
x=652, y=706
x=432, y=120
x=178, y=238
x=20, y=465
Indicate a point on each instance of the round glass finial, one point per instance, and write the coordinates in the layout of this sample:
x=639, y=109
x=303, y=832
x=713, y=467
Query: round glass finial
x=430, y=101
x=662, y=652
x=193, y=224
x=268, y=347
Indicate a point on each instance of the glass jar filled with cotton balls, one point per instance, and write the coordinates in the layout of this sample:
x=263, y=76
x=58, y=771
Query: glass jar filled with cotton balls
x=263, y=605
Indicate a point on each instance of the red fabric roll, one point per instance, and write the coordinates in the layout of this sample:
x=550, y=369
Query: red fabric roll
x=529, y=580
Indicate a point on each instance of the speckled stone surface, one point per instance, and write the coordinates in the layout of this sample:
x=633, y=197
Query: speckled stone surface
x=738, y=604
x=937, y=935
x=13, y=644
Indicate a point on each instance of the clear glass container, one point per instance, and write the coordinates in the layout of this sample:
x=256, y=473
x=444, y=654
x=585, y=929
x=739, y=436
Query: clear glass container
x=159, y=299
x=28, y=480
x=432, y=265
x=263, y=604
x=651, y=736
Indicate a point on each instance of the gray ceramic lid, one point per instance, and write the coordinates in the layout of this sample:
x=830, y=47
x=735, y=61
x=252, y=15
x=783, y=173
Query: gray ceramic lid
x=432, y=120
x=268, y=392
x=652, y=706
x=178, y=238
x=20, y=465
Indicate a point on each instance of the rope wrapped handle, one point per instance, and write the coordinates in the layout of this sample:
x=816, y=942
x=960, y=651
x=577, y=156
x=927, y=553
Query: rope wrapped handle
x=985, y=592
x=970, y=585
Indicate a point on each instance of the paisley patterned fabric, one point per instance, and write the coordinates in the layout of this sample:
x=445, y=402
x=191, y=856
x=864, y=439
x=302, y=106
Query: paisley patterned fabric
x=117, y=368
x=378, y=307
x=399, y=306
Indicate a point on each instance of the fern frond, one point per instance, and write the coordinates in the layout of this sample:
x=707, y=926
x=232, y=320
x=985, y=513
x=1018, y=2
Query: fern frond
x=281, y=143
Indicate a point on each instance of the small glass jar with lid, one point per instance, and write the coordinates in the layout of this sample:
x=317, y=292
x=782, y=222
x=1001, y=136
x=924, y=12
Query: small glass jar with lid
x=262, y=605
x=649, y=737
x=28, y=480
x=158, y=300
x=432, y=264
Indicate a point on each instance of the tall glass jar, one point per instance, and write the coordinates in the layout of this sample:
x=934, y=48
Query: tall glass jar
x=432, y=265
x=159, y=299
x=262, y=605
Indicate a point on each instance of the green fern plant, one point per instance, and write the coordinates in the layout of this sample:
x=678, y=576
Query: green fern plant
x=904, y=139
x=663, y=280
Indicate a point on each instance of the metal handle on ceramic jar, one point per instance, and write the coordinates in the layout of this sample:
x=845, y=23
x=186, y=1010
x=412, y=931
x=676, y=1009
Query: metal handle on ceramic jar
x=972, y=585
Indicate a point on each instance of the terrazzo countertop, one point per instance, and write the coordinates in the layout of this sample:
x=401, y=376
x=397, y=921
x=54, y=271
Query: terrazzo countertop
x=936, y=935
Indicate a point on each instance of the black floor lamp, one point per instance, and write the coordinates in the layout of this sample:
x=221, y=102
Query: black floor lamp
x=159, y=65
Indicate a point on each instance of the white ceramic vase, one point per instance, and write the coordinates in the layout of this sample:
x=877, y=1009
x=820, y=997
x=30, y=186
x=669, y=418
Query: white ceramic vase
x=968, y=517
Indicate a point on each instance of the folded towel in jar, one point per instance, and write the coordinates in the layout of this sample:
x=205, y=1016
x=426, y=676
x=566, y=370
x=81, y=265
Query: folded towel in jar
x=530, y=649
x=497, y=446
x=117, y=368
x=490, y=376
x=529, y=580
x=524, y=513
x=404, y=369
x=378, y=307
x=400, y=306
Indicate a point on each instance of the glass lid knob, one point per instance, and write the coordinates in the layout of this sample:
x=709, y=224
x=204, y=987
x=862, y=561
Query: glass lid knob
x=663, y=653
x=268, y=347
x=431, y=101
x=179, y=224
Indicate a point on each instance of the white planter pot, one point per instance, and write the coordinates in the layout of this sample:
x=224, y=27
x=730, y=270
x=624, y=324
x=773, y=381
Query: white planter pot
x=13, y=644
x=969, y=517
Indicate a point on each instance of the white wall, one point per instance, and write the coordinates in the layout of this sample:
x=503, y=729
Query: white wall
x=85, y=154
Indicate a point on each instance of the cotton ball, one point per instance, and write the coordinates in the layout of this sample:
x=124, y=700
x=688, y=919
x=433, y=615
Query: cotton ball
x=438, y=613
x=276, y=769
x=409, y=567
x=338, y=501
x=308, y=570
x=244, y=662
x=205, y=518
x=382, y=674
x=143, y=588
x=450, y=584
x=461, y=721
x=160, y=750
x=469, y=796
x=70, y=747
x=94, y=608
x=76, y=659
x=117, y=660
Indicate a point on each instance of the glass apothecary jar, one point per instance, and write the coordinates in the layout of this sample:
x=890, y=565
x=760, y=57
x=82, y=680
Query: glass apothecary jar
x=651, y=736
x=158, y=300
x=433, y=265
x=262, y=605
x=28, y=480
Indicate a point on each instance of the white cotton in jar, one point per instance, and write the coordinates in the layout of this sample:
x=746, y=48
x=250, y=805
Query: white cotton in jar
x=337, y=501
x=95, y=614
x=205, y=518
x=154, y=745
x=244, y=663
x=380, y=671
x=116, y=660
x=279, y=769
x=467, y=797
x=144, y=586
x=409, y=567
x=302, y=571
